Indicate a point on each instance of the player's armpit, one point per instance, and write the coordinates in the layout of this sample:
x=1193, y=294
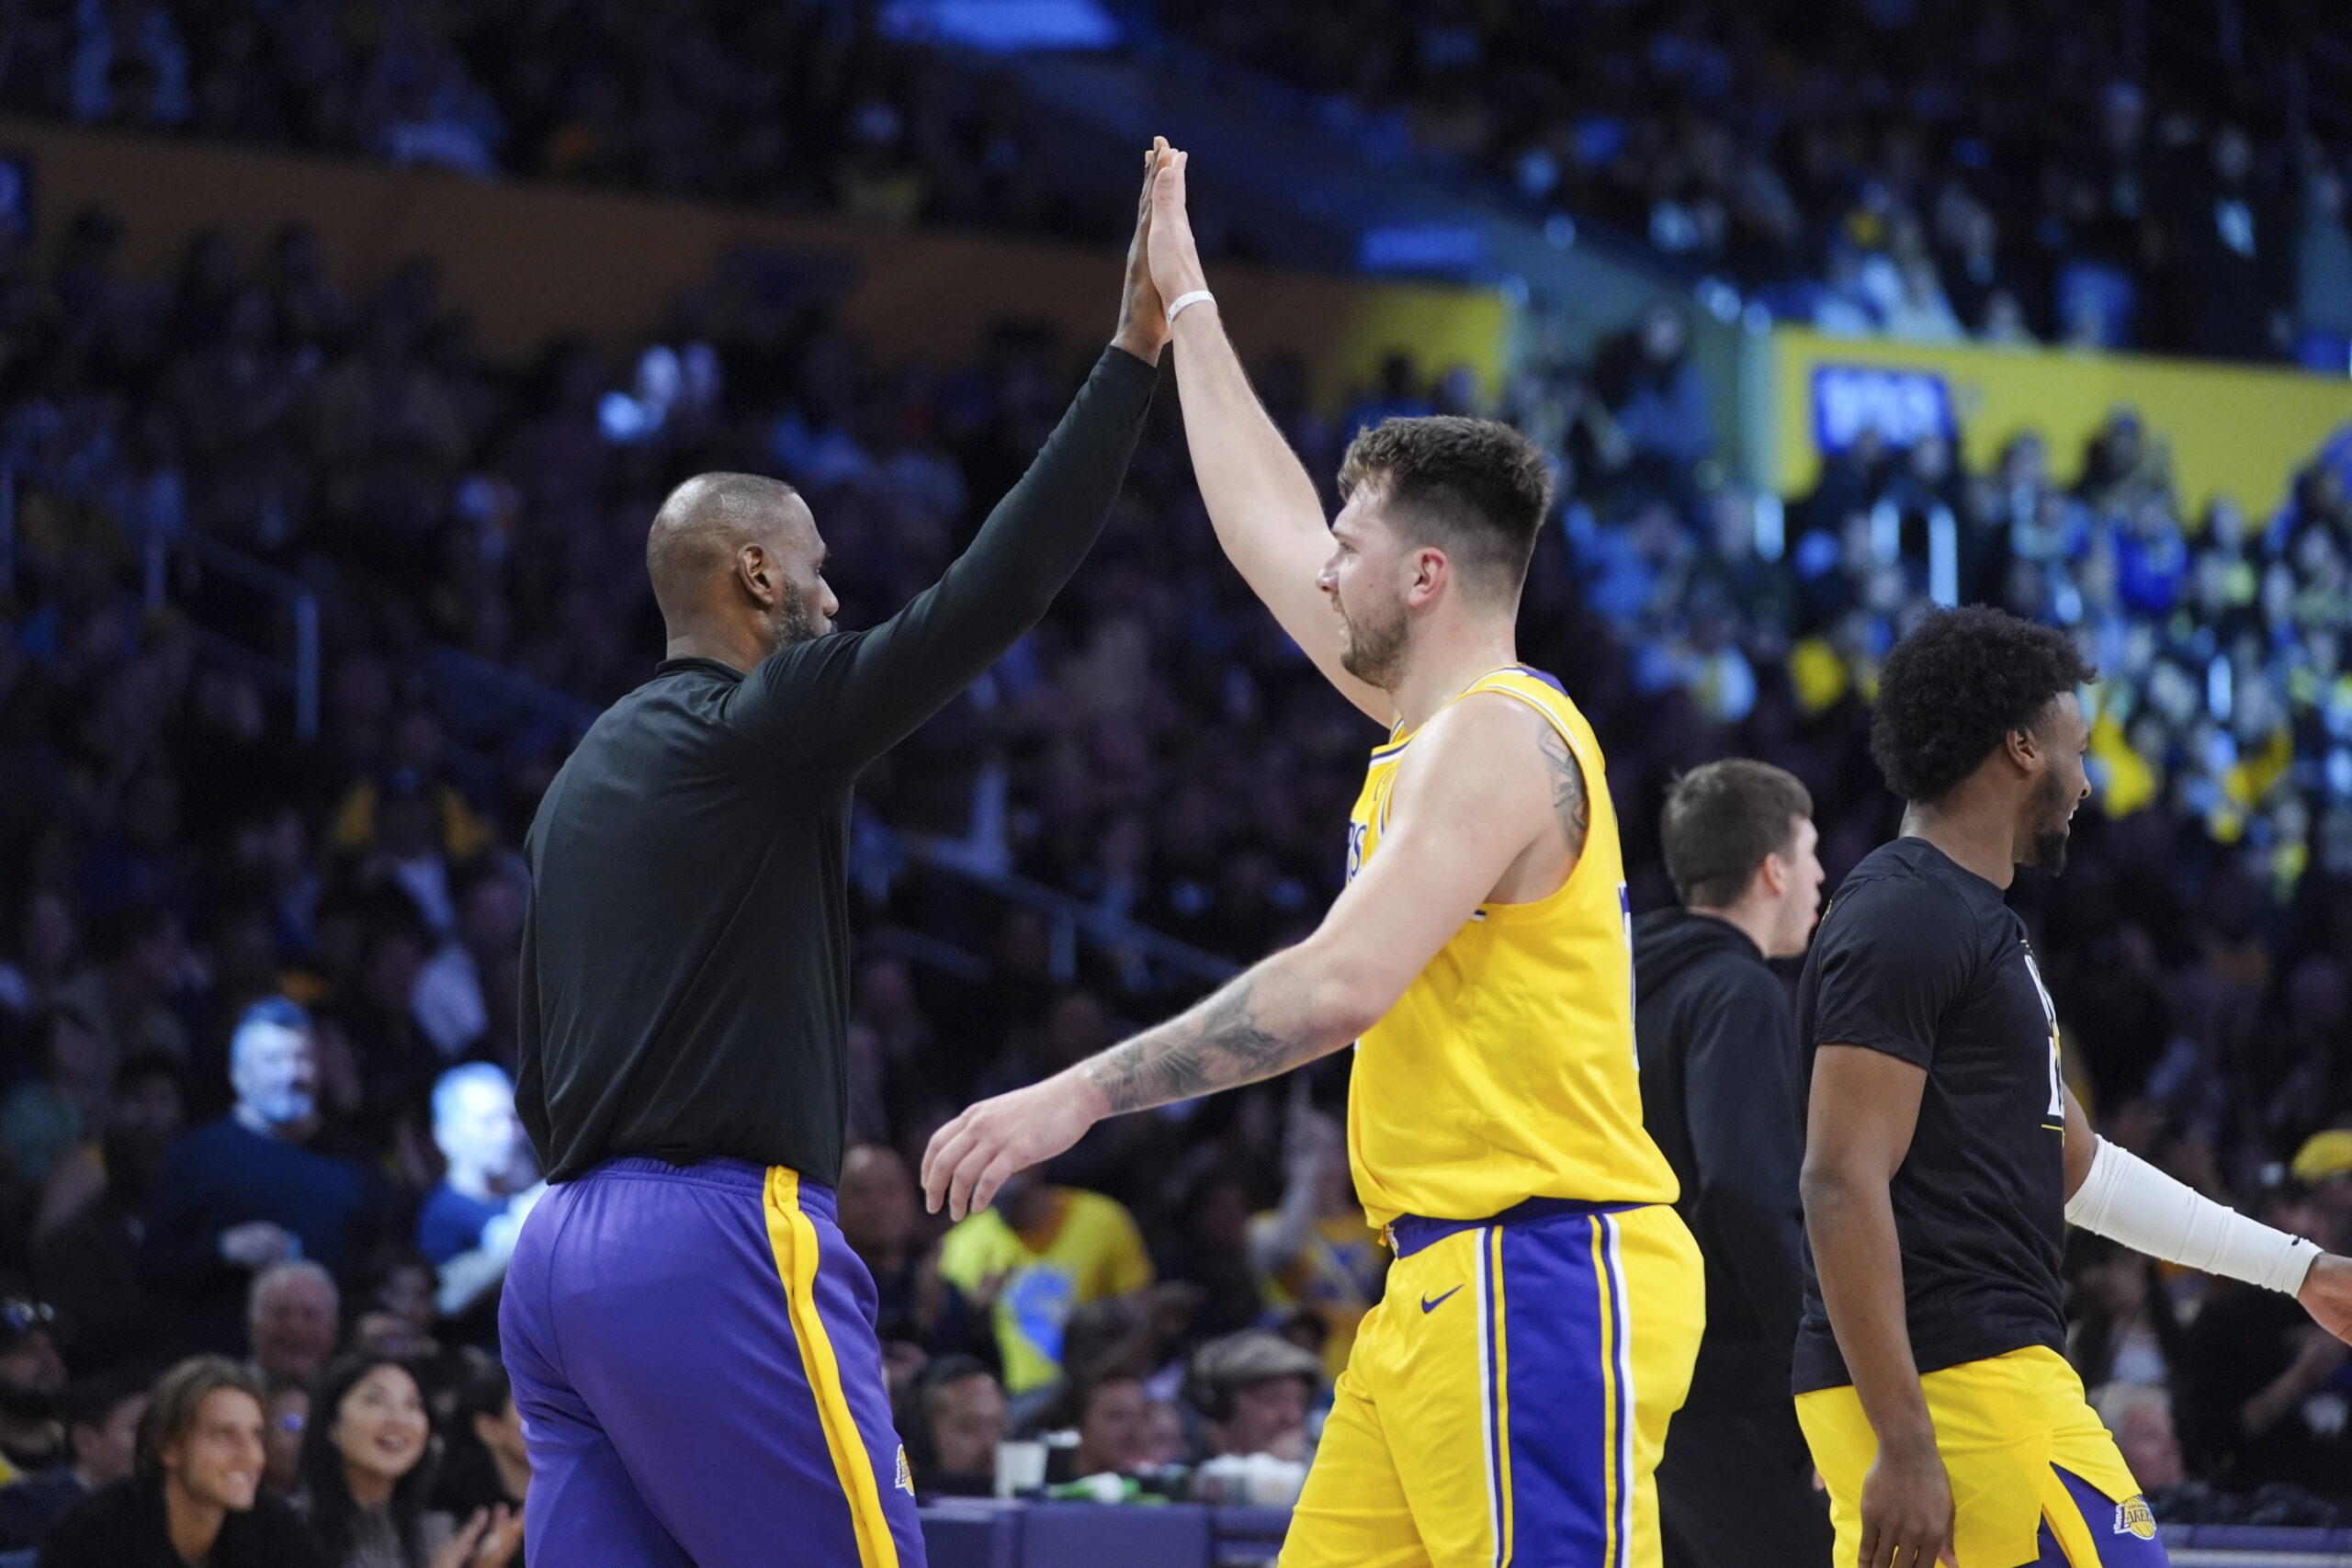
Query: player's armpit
x=2081, y=1146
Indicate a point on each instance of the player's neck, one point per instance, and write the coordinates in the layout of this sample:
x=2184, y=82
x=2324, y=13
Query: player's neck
x=1974, y=838
x=1446, y=660
x=1749, y=920
x=738, y=647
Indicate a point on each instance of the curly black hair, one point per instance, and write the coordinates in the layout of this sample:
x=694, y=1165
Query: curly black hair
x=1961, y=681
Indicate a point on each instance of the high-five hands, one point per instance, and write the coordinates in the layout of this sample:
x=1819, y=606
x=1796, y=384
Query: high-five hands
x=1142, y=313
x=1175, y=259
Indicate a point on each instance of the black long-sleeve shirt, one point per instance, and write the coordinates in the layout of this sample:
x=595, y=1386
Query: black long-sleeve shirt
x=686, y=956
x=1720, y=1074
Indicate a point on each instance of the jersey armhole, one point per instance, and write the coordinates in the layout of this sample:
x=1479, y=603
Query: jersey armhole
x=1524, y=908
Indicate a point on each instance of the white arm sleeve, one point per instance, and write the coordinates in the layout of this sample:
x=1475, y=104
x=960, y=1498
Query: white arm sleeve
x=2126, y=1199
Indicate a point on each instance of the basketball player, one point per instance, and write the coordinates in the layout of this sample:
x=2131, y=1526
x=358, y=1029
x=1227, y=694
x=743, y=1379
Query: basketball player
x=1507, y=1398
x=691, y=1338
x=1944, y=1156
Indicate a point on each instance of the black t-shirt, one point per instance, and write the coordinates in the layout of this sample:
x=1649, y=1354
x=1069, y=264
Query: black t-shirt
x=2243, y=1338
x=124, y=1526
x=1924, y=961
x=685, y=958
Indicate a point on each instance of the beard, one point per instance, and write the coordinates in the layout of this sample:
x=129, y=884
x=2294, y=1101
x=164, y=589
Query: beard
x=2046, y=851
x=1373, y=648
x=791, y=625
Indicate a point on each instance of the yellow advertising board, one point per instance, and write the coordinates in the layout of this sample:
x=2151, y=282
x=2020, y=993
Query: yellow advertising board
x=2241, y=431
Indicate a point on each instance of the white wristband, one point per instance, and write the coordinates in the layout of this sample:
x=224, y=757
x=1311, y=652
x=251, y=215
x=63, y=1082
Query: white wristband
x=1194, y=298
x=2126, y=1199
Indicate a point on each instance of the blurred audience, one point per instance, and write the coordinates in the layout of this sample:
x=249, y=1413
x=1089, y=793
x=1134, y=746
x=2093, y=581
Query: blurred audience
x=1925, y=171
x=292, y=1321
x=2263, y=1392
x=193, y=1495
x=243, y=1193
x=367, y=1476
x=466, y=1226
x=101, y=1417
x=1043, y=1251
x=953, y=1428
x=1255, y=1390
x=1114, y=1437
x=796, y=105
x=486, y=1465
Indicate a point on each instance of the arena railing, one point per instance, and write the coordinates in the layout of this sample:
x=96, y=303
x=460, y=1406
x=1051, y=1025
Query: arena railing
x=1150, y=960
x=296, y=670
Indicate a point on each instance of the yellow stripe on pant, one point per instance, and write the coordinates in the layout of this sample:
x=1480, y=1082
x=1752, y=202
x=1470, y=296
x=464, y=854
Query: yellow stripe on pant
x=795, y=1241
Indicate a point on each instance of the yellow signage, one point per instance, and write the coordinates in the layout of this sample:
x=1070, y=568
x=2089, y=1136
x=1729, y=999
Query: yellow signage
x=2241, y=431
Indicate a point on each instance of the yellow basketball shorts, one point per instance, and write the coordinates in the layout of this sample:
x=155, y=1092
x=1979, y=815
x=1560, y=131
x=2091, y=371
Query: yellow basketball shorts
x=2035, y=1477
x=1507, y=1401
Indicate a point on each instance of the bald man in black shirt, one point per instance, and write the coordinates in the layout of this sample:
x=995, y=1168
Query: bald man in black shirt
x=691, y=1339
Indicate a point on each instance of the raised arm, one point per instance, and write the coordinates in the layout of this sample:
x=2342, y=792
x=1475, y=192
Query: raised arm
x=844, y=700
x=1264, y=506
x=1865, y=1108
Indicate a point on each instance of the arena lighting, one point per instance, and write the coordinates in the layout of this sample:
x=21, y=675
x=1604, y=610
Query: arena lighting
x=1771, y=528
x=1003, y=26
x=1448, y=249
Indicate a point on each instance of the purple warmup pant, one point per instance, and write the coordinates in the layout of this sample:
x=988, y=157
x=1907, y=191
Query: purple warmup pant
x=693, y=1359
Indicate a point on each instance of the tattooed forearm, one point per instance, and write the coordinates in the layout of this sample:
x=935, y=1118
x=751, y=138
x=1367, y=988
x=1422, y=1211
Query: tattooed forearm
x=1569, y=801
x=1226, y=1039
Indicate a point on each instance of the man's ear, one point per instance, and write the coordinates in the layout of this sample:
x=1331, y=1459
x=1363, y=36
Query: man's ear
x=2025, y=749
x=1774, y=871
x=758, y=574
x=1431, y=572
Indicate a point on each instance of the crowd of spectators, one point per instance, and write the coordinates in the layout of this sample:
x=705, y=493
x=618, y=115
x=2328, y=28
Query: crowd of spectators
x=1930, y=169
x=2104, y=174
x=798, y=103
x=256, y=988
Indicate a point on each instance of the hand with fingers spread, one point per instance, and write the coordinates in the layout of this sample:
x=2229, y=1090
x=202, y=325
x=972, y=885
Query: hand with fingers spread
x=1143, y=311
x=1907, y=1515
x=969, y=1158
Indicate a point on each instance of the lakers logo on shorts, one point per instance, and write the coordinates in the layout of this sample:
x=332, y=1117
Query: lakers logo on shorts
x=2132, y=1518
x=906, y=1477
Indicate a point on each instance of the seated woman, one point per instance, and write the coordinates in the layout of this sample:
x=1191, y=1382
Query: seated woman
x=366, y=1479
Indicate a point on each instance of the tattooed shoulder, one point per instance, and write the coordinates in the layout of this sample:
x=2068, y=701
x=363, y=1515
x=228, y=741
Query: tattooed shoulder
x=1569, y=801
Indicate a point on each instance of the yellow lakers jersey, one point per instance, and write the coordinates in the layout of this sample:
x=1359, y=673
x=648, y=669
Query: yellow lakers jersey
x=1507, y=1071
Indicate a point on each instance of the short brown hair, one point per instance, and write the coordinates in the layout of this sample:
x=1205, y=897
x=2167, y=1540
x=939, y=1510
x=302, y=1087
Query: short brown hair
x=1476, y=488
x=177, y=1397
x=1722, y=821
